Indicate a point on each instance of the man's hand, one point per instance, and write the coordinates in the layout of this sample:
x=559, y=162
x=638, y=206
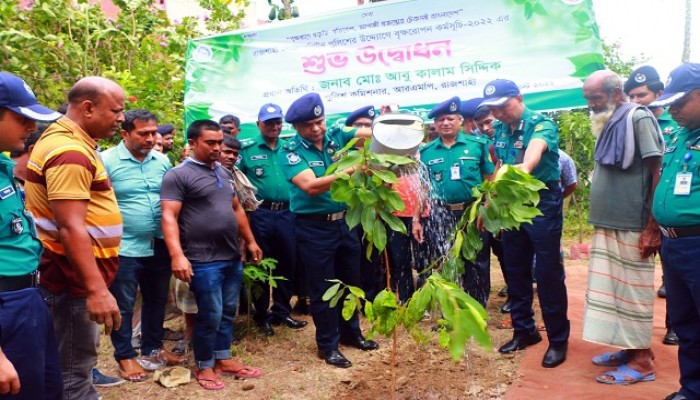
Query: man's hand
x=650, y=239
x=417, y=230
x=256, y=253
x=9, y=380
x=103, y=309
x=182, y=269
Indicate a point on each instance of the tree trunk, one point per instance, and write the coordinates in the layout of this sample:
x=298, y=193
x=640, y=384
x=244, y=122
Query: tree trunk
x=686, y=39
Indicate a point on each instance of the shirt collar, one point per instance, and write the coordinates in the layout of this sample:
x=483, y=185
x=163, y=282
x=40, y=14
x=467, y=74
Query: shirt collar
x=76, y=130
x=125, y=154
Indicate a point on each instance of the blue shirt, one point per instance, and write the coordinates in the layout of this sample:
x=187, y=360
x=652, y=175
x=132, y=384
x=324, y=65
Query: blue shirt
x=137, y=187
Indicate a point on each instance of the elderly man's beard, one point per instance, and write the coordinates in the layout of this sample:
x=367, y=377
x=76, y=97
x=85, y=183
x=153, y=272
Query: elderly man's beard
x=600, y=118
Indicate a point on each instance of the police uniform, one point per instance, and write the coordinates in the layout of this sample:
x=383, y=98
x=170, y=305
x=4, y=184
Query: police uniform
x=541, y=238
x=272, y=222
x=668, y=126
x=676, y=210
x=327, y=248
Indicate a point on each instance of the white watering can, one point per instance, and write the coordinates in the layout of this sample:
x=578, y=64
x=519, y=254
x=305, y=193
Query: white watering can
x=397, y=133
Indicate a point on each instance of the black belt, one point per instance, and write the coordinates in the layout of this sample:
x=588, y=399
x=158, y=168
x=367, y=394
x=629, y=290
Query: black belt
x=12, y=283
x=681, y=232
x=322, y=217
x=274, y=205
x=458, y=206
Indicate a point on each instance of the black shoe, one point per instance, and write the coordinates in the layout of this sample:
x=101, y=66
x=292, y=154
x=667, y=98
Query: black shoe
x=662, y=291
x=555, y=355
x=503, y=292
x=506, y=307
x=291, y=322
x=675, y=396
x=520, y=342
x=670, y=338
x=301, y=307
x=335, y=358
x=266, y=329
x=360, y=342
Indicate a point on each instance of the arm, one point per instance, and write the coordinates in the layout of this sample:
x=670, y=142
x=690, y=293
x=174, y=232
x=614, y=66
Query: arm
x=9, y=380
x=569, y=189
x=533, y=155
x=650, y=239
x=307, y=181
x=245, y=232
x=70, y=221
x=182, y=269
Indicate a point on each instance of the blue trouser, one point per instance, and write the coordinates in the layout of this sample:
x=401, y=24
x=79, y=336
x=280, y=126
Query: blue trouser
x=29, y=342
x=216, y=286
x=152, y=276
x=372, y=272
x=477, y=274
x=274, y=233
x=403, y=252
x=682, y=277
x=541, y=238
x=329, y=250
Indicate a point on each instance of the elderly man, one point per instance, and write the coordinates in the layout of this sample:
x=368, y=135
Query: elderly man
x=327, y=248
x=29, y=360
x=272, y=223
x=456, y=163
x=529, y=140
x=80, y=225
x=136, y=172
x=676, y=210
x=619, y=307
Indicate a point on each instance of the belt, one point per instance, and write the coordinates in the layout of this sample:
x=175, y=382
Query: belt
x=274, y=205
x=322, y=217
x=681, y=232
x=458, y=206
x=12, y=283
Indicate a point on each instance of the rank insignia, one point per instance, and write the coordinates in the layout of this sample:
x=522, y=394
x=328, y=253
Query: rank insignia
x=438, y=176
x=259, y=171
x=293, y=158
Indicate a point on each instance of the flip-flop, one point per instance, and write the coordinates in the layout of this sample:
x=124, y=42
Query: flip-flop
x=218, y=385
x=612, y=358
x=129, y=367
x=244, y=372
x=621, y=373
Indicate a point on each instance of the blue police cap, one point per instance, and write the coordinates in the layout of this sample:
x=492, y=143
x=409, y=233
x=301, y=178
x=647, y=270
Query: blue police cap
x=642, y=76
x=270, y=111
x=17, y=96
x=450, y=106
x=364, y=112
x=498, y=91
x=306, y=107
x=165, y=129
x=468, y=107
x=680, y=82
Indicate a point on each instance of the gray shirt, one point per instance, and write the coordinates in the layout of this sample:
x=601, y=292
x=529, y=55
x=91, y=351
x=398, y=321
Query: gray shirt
x=208, y=226
x=621, y=199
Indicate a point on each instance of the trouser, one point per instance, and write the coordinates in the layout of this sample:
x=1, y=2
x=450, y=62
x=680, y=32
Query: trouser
x=216, y=286
x=274, y=233
x=29, y=342
x=403, y=253
x=682, y=278
x=152, y=276
x=542, y=239
x=372, y=272
x=77, y=338
x=329, y=250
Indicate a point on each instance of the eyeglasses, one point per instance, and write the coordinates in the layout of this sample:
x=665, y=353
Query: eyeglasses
x=362, y=124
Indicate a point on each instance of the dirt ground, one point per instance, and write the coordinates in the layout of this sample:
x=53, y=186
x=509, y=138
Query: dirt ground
x=291, y=369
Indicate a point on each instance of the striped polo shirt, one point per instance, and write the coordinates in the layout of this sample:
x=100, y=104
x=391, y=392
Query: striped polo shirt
x=65, y=165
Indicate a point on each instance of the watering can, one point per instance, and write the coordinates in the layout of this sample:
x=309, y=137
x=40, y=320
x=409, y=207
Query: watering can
x=397, y=133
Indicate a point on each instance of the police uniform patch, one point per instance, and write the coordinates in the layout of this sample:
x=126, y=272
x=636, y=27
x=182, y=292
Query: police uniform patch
x=271, y=109
x=258, y=157
x=436, y=161
x=259, y=171
x=639, y=78
x=538, y=127
x=6, y=192
x=293, y=158
x=370, y=112
x=438, y=176
x=317, y=111
x=316, y=163
x=17, y=226
x=489, y=90
x=453, y=106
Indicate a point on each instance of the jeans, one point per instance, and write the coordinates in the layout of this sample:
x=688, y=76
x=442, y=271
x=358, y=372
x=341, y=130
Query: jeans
x=152, y=275
x=77, y=338
x=216, y=286
x=29, y=342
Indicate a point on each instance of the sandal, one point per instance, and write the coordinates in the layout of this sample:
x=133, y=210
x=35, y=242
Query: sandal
x=129, y=367
x=612, y=359
x=181, y=347
x=240, y=371
x=624, y=375
x=208, y=383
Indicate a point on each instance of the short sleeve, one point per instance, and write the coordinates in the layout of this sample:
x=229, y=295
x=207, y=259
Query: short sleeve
x=547, y=131
x=172, y=188
x=69, y=176
x=487, y=165
x=291, y=163
x=648, y=136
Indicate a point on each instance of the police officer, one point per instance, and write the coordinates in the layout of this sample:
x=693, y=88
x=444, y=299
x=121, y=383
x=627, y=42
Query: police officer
x=327, y=249
x=676, y=211
x=529, y=140
x=643, y=87
x=272, y=223
x=467, y=109
x=457, y=162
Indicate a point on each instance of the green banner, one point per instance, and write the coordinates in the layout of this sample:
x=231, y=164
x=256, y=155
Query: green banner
x=412, y=53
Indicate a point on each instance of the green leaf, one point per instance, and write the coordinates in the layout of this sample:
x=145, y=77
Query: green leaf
x=369, y=311
x=385, y=175
x=352, y=159
x=357, y=292
x=354, y=216
x=368, y=220
x=367, y=197
x=395, y=224
x=336, y=298
x=349, y=307
x=379, y=236
x=330, y=292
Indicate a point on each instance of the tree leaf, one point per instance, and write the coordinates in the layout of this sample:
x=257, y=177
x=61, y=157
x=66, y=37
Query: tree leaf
x=330, y=292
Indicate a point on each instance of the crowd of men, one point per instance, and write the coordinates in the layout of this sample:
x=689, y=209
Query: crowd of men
x=85, y=230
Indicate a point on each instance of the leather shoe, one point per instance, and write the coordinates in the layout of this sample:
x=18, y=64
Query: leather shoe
x=555, y=355
x=662, y=291
x=670, y=338
x=506, y=307
x=266, y=329
x=335, y=358
x=503, y=292
x=675, y=396
x=292, y=323
x=520, y=342
x=360, y=342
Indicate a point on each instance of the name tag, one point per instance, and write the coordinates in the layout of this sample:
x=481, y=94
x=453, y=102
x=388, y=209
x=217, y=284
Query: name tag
x=436, y=161
x=500, y=145
x=6, y=192
x=683, y=180
x=258, y=157
x=316, y=164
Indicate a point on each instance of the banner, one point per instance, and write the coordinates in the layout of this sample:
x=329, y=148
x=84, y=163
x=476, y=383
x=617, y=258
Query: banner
x=413, y=53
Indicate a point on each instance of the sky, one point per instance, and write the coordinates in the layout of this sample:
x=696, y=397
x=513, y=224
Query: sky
x=653, y=28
